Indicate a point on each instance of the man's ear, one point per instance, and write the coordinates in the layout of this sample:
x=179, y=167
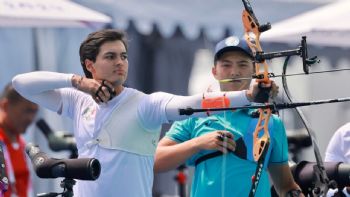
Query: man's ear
x=89, y=64
x=213, y=71
x=4, y=104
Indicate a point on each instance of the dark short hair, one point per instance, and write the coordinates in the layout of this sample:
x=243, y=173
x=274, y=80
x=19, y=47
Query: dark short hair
x=90, y=47
x=11, y=94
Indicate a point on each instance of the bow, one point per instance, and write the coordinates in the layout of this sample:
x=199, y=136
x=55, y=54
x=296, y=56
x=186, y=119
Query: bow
x=322, y=182
x=261, y=143
x=261, y=138
x=252, y=36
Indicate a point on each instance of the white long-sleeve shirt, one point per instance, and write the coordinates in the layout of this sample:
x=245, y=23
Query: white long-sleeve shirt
x=122, y=173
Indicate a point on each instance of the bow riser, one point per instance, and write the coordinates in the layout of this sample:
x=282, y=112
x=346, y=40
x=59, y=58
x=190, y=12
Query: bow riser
x=260, y=143
x=252, y=36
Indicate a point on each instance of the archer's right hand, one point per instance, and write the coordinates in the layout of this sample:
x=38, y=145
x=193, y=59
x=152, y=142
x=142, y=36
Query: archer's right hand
x=219, y=140
x=100, y=90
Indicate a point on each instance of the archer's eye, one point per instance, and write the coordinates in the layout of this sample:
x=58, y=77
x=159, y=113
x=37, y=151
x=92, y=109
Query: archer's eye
x=244, y=65
x=226, y=65
x=124, y=56
x=110, y=57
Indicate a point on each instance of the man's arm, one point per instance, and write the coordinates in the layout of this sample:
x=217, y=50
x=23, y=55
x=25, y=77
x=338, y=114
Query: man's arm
x=170, y=154
x=41, y=87
x=282, y=179
x=214, y=100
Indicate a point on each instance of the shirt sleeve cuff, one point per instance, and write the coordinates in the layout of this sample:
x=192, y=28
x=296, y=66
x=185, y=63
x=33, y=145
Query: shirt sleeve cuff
x=243, y=97
x=69, y=79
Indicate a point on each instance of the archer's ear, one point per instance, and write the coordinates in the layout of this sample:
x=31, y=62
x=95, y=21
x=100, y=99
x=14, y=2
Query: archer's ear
x=4, y=104
x=213, y=71
x=89, y=65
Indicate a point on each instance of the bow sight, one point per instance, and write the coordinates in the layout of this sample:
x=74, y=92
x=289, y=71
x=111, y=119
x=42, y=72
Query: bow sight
x=261, y=56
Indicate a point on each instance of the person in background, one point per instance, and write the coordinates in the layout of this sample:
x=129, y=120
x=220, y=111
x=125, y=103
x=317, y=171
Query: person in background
x=118, y=125
x=220, y=146
x=16, y=114
x=338, y=150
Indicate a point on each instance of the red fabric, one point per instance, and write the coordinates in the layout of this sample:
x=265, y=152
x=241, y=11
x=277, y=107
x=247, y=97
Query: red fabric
x=19, y=165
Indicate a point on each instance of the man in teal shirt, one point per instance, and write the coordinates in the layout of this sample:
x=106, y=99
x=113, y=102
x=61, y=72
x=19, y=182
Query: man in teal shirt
x=197, y=141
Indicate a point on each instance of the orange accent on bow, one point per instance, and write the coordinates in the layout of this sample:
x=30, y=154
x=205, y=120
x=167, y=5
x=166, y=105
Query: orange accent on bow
x=252, y=37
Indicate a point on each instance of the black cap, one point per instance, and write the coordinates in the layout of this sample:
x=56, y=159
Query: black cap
x=231, y=43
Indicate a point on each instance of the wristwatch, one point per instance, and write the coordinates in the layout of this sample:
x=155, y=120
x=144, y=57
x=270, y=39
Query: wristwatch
x=293, y=193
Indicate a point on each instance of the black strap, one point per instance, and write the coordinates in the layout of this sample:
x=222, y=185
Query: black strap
x=111, y=91
x=208, y=156
x=240, y=151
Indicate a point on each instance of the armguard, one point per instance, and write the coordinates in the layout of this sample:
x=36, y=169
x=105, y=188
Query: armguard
x=215, y=102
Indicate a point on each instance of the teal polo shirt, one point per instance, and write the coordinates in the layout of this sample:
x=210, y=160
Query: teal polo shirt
x=229, y=175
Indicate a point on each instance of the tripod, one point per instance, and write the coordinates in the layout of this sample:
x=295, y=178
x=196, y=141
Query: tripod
x=67, y=185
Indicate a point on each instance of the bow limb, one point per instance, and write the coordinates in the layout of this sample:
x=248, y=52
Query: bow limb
x=261, y=143
x=322, y=182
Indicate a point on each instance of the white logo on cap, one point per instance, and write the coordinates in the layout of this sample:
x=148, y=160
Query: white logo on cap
x=232, y=41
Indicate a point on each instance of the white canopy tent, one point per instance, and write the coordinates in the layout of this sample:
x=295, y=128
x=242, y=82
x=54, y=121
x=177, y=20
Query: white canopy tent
x=324, y=26
x=211, y=17
x=52, y=13
x=38, y=17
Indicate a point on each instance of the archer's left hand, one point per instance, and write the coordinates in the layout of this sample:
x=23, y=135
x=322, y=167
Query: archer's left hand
x=262, y=92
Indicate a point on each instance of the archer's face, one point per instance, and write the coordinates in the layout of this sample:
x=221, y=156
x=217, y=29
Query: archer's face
x=233, y=64
x=111, y=63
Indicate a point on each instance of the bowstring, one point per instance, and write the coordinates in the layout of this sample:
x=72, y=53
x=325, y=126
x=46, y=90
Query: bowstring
x=224, y=156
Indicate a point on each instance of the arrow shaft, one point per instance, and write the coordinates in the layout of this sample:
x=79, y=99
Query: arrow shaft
x=271, y=75
x=278, y=106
